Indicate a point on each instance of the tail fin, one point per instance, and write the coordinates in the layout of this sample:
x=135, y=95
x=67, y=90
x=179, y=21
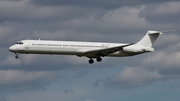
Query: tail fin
x=149, y=38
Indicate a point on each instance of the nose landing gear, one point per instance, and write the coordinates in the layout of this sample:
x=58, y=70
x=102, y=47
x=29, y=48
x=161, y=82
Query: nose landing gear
x=17, y=56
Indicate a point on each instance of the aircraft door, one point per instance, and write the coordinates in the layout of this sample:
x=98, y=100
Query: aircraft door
x=26, y=46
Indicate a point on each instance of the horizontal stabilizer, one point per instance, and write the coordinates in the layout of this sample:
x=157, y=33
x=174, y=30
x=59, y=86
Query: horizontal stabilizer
x=167, y=31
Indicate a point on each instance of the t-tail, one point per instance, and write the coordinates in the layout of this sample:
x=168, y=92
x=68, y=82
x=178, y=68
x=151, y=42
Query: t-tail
x=149, y=39
x=151, y=36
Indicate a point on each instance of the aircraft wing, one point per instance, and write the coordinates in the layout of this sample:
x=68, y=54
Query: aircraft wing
x=105, y=51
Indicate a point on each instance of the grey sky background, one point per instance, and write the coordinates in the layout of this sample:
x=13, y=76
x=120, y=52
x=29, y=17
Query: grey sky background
x=71, y=78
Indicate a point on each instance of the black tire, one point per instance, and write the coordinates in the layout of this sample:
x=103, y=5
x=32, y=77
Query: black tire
x=99, y=59
x=91, y=61
x=16, y=56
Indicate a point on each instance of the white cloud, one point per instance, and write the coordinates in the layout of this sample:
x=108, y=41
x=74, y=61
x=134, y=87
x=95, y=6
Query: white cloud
x=165, y=14
x=3, y=31
x=2, y=98
x=23, y=80
x=167, y=38
x=165, y=58
x=117, y=19
x=167, y=8
x=10, y=60
x=123, y=18
x=154, y=58
x=90, y=100
x=132, y=77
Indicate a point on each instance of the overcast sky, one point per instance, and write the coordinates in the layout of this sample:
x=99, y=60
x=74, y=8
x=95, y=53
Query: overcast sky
x=148, y=77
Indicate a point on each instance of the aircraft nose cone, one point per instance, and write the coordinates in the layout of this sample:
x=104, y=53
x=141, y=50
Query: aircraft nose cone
x=12, y=48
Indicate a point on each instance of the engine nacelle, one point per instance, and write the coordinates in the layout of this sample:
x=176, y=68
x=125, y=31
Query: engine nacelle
x=137, y=49
x=133, y=49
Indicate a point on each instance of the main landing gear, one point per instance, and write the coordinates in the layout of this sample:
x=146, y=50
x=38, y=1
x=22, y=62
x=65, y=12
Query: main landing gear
x=91, y=61
x=17, y=56
x=98, y=59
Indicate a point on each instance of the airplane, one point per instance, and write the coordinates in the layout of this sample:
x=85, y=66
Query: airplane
x=91, y=50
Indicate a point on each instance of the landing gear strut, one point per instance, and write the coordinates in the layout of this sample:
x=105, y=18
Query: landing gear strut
x=17, y=56
x=98, y=59
x=91, y=61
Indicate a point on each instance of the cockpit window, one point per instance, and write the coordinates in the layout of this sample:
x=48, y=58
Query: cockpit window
x=19, y=42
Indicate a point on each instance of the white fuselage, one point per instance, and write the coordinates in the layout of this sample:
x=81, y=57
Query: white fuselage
x=65, y=47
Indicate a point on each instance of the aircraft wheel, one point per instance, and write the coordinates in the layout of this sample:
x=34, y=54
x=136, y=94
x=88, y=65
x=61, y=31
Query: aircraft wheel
x=16, y=56
x=91, y=61
x=99, y=59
